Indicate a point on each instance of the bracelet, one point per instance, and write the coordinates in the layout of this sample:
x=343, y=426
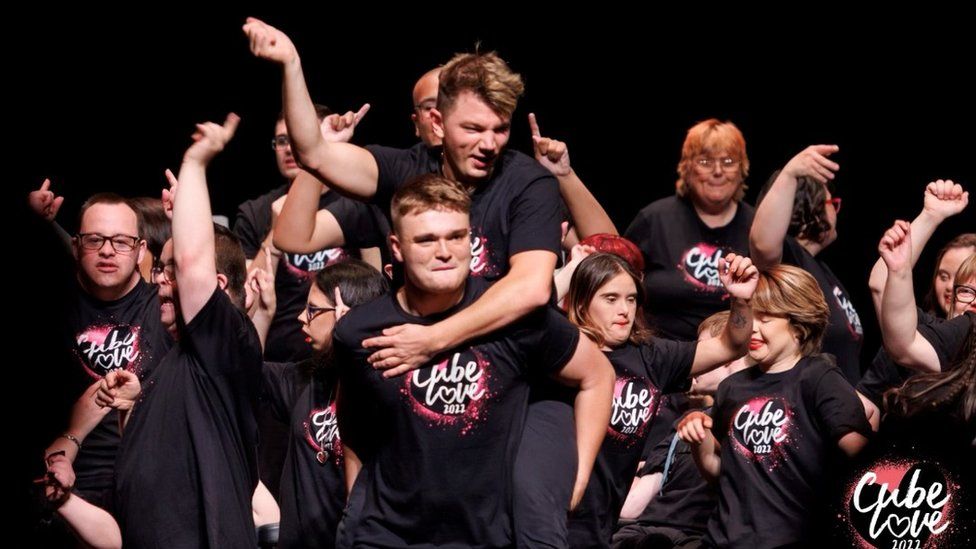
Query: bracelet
x=72, y=438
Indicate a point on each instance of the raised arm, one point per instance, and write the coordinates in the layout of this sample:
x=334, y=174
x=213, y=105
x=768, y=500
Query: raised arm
x=193, y=234
x=588, y=215
x=943, y=199
x=347, y=168
x=591, y=372
x=740, y=278
x=772, y=220
x=899, y=318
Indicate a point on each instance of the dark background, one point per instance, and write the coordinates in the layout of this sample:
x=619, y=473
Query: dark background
x=106, y=100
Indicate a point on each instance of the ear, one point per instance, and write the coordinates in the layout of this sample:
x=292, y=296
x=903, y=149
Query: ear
x=416, y=126
x=141, y=254
x=222, y=281
x=395, y=247
x=75, y=247
x=437, y=123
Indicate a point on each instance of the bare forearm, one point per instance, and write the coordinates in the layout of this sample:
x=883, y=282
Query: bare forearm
x=588, y=215
x=296, y=223
x=300, y=116
x=772, y=222
x=707, y=458
x=94, y=526
x=899, y=323
x=592, y=410
x=923, y=227
x=731, y=344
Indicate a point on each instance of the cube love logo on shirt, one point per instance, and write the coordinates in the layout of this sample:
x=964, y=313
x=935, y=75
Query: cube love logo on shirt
x=452, y=392
x=853, y=321
x=306, y=265
x=482, y=263
x=322, y=434
x=635, y=401
x=761, y=428
x=906, y=504
x=104, y=348
x=700, y=266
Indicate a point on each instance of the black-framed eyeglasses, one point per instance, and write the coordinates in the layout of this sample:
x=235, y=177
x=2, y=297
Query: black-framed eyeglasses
x=963, y=293
x=121, y=243
x=168, y=271
x=311, y=311
x=728, y=163
x=280, y=142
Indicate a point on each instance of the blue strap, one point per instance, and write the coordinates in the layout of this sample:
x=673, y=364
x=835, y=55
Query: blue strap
x=668, y=461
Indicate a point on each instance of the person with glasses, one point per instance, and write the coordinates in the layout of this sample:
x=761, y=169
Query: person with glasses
x=303, y=394
x=796, y=219
x=942, y=199
x=683, y=236
x=115, y=324
x=187, y=466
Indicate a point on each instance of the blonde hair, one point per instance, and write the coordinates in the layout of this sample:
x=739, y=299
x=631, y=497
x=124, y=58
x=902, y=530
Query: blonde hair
x=714, y=324
x=484, y=74
x=428, y=192
x=966, y=270
x=785, y=290
x=712, y=135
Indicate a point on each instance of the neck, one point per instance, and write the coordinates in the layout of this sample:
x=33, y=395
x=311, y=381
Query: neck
x=109, y=294
x=781, y=365
x=715, y=215
x=449, y=172
x=421, y=303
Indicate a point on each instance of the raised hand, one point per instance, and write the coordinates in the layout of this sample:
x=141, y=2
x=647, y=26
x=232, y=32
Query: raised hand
x=896, y=246
x=340, y=128
x=260, y=286
x=812, y=162
x=552, y=154
x=268, y=42
x=738, y=275
x=210, y=138
x=340, y=306
x=169, y=195
x=943, y=199
x=119, y=389
x=44, y=202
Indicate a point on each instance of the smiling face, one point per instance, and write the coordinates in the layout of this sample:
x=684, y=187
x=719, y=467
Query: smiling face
x=613, y=309
x=773, y=340
x=945, y=276
x=474, y=136
x=714, y=178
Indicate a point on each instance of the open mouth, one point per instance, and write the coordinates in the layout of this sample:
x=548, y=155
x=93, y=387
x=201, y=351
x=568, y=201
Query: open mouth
x=755, y=344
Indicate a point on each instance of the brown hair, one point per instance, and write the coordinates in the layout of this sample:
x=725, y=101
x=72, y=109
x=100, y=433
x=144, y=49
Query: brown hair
x=484, y=74
x=712, y=135
x=111, y=199
x=789, y=291
x=428, y=192
x=965, y=240
x=594, y=272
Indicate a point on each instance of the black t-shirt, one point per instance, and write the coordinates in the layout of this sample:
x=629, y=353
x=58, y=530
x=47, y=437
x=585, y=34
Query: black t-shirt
x=107, y=335
x=644, y=373
x=438, y=443
x=187, y=465
x=778, y=434
x=518, y=209
x=947, y=337
x=362, y=226
x=313, y=490
x=681, y=256
x=884, y=373
x=686, y=500
x=844, y=335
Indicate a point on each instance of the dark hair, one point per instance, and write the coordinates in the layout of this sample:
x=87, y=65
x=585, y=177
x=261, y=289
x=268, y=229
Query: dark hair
x=107, y=198
x=593, y=273
x=154, y=227
x=358, y=282
x=809, y=219
x=951, y=391
x=321, y=111
x=230, y=262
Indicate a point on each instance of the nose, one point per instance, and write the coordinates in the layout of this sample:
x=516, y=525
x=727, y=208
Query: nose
x=755, y=326
x=442, y=252
x=488, y=142
x=107, y=249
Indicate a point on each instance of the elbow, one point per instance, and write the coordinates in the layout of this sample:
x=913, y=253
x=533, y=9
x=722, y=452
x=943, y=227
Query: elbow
x=539, y=294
